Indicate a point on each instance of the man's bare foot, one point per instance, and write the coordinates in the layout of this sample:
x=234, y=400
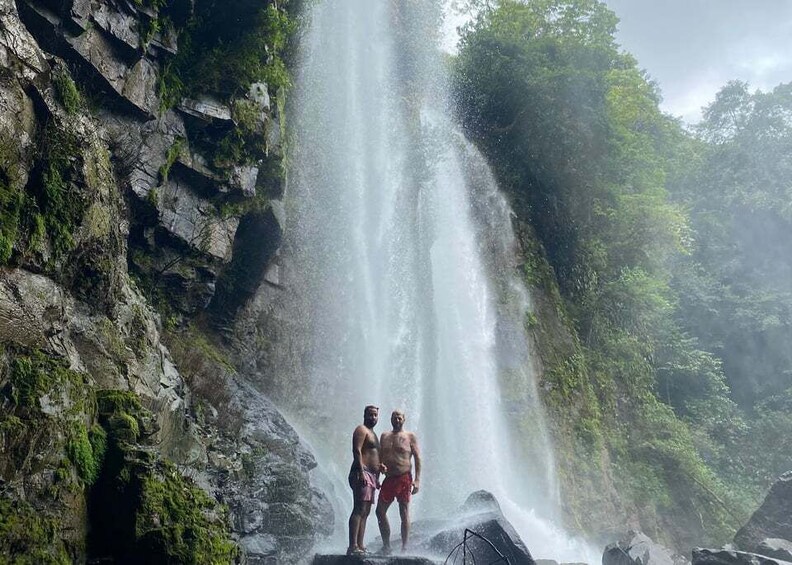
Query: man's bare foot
x=385, y=550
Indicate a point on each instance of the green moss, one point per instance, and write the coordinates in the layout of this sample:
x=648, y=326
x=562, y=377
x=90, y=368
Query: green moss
x=27, y=537
x=176, y=517
x=31, y=378
x=67, y=91
x=145, y=511
x=12, y=204
x=60, y=201
x=86, y=451
x=174, y=152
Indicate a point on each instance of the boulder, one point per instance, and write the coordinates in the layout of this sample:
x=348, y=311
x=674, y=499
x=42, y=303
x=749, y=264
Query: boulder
x=774, y=547
x=480, y=514
x=773, y=519
x=729, y=557
x=636, y=548
x=273, y=507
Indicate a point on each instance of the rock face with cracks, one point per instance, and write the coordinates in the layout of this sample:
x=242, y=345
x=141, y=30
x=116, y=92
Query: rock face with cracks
x=125, y=244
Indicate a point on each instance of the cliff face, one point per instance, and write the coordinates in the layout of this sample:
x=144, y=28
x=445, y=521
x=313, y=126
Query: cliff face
x=134, y=223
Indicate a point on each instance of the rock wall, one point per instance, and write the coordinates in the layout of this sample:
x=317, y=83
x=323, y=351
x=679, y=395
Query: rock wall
x=126, y=248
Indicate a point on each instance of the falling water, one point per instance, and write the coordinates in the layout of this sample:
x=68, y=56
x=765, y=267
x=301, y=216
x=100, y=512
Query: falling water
x=401, y=272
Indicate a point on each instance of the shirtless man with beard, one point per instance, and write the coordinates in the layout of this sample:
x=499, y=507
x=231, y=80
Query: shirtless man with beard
x=397, y=450
x=363, y=477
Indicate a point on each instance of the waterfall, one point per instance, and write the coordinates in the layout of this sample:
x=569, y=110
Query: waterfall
x=401, y=274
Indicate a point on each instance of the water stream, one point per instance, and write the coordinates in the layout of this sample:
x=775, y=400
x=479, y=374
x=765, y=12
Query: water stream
x=402, y=274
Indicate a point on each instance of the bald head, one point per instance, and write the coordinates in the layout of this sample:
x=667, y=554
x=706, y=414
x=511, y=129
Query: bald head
x=397, y=420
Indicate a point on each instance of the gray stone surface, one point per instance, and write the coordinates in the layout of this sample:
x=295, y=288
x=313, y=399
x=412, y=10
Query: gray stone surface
x=320, y=559
x=207, y=108
x=195, y=220
x=133, y=81
x=773, y=519
x=124, y=352
x=272, y=502
x=775, y=547
x=728, y=557
x=481, y=514
x=636, y=548
x=115, y=19
x=17, y=45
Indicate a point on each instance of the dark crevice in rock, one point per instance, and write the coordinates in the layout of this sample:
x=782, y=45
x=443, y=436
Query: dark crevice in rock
x=257, y=241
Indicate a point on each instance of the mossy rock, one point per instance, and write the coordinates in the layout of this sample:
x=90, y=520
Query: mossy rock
x=27, y=537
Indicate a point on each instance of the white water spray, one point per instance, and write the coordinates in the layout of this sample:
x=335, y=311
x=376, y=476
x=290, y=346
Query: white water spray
x=401, y=269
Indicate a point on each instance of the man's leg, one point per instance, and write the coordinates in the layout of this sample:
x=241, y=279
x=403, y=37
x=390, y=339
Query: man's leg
x=404, y=513
x=362, y=527
x=382, y=520
x=354, y=524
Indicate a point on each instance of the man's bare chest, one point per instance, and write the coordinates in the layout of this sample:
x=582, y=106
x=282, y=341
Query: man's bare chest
x=398, y=443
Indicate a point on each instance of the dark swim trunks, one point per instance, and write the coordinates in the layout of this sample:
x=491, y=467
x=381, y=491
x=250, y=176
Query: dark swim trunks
x=363, y=490
x=399, y=487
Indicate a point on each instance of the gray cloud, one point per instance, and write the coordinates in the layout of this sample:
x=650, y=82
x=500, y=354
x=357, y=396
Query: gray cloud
x=692, y=48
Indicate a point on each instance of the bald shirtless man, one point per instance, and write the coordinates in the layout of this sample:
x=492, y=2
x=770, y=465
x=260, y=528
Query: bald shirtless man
x=397, y=450
x=363, y=477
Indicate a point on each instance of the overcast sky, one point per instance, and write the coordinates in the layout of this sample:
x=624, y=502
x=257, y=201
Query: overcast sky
x=693, y=47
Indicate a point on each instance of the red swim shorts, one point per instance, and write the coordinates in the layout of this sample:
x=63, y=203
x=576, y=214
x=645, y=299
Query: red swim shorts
x=399, y=487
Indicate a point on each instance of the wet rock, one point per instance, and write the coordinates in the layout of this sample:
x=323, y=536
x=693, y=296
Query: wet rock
x=18, y=46
x=207, y=109
x=114, y=19
x=777, y=548
x=259, y=94
x=132, y=79
x=195, y=220
x=636, y=548
x=773, y=519
x=142, y=147
x=729, y=557
x=243, y=177
x=121, y=353
x=481, y=514
x=373, y=560
x=273, y=506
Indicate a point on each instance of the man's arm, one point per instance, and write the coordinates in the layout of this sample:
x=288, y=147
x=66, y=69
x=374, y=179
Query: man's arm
x=358, y=439
x=416, y=453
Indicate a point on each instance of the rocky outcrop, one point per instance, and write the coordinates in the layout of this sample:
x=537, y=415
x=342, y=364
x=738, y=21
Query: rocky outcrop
x=776, y=548
x=636, y=548
x=773, y=519
x=482, y=515
x=276, y=511
x=95, y=189
x=729, y=557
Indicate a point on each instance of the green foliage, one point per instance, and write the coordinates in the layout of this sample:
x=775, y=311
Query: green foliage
x=67, y=91
x=226, y=48
x=29, y=538
x=575, y=136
